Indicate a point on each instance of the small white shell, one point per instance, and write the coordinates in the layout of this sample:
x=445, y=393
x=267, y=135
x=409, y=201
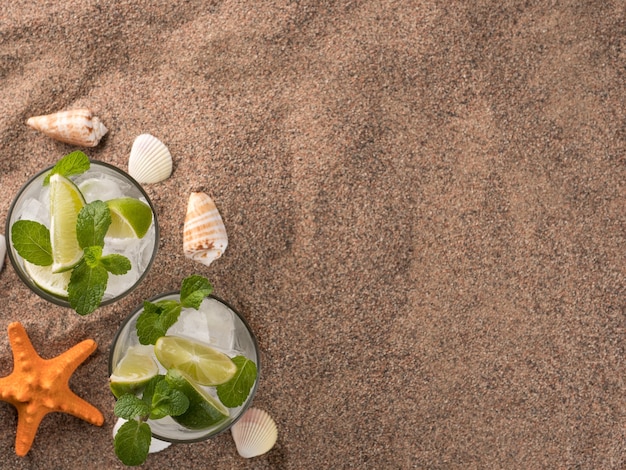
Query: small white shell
x=204, y=234
x=75, y=126
x=3, y=250
x=156, y=445
x=255, y=433
x=150, y=160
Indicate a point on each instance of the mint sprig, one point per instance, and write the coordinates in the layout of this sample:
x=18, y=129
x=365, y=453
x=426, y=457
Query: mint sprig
x=73, y=163
x=90, y=277
x=193, y=291
x=167, y=400
x=132, y=442
x=160, y=399
x=158, y=317
x=92, y=224
x=32, y=242
x=234, y=392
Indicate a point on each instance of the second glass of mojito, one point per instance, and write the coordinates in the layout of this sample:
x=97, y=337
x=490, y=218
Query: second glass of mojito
x=200, y=348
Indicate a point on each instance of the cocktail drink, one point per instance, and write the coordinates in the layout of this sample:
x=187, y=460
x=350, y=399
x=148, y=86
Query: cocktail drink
x=208, y=353
x=51, y=204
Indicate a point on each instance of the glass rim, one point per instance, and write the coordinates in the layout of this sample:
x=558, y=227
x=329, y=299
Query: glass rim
x=253, y=390
x=58, y=300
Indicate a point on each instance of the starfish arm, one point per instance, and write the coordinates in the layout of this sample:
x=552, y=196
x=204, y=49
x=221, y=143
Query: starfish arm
x=74, y=356
x=28, y=420
x=20, y=343
x=82, y=409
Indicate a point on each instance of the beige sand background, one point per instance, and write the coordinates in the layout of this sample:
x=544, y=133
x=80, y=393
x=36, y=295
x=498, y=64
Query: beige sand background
x=425, y=205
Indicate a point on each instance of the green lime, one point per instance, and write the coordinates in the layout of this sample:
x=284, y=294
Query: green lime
x=46, y=280
x=133, y=372
x=130, y=218
x=202, y=363
x=66, y=201
x=204, y=410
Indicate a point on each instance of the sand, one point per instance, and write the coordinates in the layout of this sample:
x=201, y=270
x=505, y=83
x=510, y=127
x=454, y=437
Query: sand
x=425, y=209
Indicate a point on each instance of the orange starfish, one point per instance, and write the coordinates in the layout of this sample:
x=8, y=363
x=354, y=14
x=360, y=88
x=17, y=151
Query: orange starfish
x=40, y=386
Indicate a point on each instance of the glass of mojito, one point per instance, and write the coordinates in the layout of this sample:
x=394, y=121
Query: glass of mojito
x=207, y=351
x=65, y=244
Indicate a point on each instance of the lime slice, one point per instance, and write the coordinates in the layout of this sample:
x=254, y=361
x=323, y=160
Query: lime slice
x=202, y=363
x=46, y=280
x=66, y=201
x=204, y=410
x=130, y=218
x=133, y=372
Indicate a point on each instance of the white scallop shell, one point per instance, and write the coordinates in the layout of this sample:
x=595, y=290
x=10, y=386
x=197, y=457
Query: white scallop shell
x=3, y=250
x=204, y=234
x=75, y=126
x=255, y=433
x=156, y=445
x=150, y=160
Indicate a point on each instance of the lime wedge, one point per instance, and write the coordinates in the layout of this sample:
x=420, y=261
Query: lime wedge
x=66, y=201
x=133, y=372
x=130, y=218
x=52, y=283
x=202, y=363
x=204, y=410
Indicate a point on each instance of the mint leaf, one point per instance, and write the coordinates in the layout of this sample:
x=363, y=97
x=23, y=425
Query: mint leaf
x=149, y=389
x=167, y=401
x=132, y=442
x=92, y=255
x=156, y=319
x=193, y=291
x=73, y=163
x=92, y=224
x=32, y=241
x=116, y=264
x=86, y=287
x=234, y=392
x=128, y=406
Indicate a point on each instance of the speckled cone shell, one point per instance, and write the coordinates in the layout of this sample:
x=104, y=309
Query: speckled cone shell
x=3, y=250
x=255, y=433
x=76, y=127
x=150, y=160
x=204, y=234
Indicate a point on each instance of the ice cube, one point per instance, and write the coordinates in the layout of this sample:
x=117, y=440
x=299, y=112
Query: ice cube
x=119, y=283
x=220, y=324
x=100, y=189
x=36, y=210
x=191, y=323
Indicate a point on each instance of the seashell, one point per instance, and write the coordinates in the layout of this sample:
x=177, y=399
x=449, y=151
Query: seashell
x=255, y=433
x=204, y=234
x=76, y=127
x=150, y=161
x=3, y=250
x=156, y=445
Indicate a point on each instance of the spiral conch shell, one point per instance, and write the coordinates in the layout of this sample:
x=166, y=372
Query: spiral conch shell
x=255, y=433
x=150, y=160
x=204, y=234
x=75, y=126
